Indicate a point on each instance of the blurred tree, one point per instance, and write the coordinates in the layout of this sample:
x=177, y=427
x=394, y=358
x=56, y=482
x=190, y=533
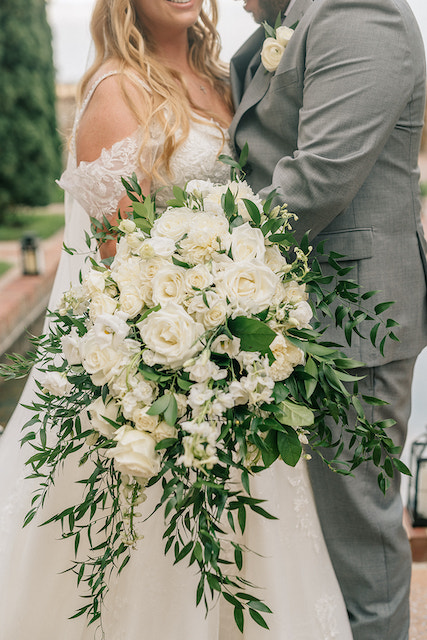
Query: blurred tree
x=30, y=156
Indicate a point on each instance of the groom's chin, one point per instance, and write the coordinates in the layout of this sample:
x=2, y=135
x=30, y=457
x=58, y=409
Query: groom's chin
x=252, y=6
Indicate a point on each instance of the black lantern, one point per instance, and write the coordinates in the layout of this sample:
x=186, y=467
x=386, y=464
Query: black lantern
x=30, y=255
x=417, y=497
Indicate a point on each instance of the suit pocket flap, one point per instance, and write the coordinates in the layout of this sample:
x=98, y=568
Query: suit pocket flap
x=353, y=244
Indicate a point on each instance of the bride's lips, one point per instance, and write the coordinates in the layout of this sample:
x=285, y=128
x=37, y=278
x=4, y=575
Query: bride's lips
x=180, y=1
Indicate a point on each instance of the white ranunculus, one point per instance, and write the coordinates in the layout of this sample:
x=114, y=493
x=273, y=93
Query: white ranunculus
x=199, y=277
x=215, y=315
x=169, y=285
x=55, y=383
x=294, y=292
x=98, y=411
x=163, y=431
x=283, y=35
x=101, y=303
x=249, y=286
x=158, y=246
x=247, y=243
x=135, y=453
x=127, y=226
x=143, y=421
x=173, y=223
x=131, y=301
x=70, y=347
x=271, y=54
x=172, y=335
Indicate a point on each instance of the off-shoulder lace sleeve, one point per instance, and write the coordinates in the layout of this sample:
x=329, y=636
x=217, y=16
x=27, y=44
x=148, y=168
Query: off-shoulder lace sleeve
x=97, y=185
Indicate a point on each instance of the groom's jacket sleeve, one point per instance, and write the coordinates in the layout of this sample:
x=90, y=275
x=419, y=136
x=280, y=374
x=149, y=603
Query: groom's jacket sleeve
x=361, y=70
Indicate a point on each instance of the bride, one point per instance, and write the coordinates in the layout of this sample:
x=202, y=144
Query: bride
x=155, y=102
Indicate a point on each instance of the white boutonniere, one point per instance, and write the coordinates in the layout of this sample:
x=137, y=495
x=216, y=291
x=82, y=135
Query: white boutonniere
x=275, y=43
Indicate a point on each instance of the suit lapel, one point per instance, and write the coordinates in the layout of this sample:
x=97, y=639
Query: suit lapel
x=260, y=82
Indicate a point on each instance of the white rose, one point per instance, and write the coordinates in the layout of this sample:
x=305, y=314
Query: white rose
x=70, y=347
x=283, y=35
x=300, y=316
x=98, y=411
x=274, y=259
x=143, y=421
x=101, y=303
x=163, y=431
x=150, y=267
x=199, y=277
x=169, y=285
x=172, y=335
x=181, y=401
x=247, y=243
x=55, y=383
x=130, y=301
x=249, y=285
x=173, y=223
x=102, y=361
x=271, y=54
x=135, y=453
x=158, y=246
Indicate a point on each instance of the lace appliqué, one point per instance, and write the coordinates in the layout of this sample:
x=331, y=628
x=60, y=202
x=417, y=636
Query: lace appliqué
x=303, y=500
x=97, y=185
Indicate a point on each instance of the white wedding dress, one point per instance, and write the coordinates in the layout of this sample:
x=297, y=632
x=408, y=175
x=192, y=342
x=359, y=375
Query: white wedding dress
x=153, y=599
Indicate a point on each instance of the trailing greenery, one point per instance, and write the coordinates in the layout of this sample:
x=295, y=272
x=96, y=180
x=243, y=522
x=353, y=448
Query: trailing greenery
x=30, y=157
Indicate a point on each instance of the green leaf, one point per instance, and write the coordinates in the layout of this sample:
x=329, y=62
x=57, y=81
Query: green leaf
x=238, y=617
x=294, y=415
x=373, y=333
x=160, y=405
x=257, y=617
x=238, y=558
x=253, y=211
x=401, y=466
x=382, y=306
x=171, y=413
x=290, y=447
x=254, y=335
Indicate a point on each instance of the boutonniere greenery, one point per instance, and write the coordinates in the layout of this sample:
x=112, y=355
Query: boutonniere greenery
x=275, y=43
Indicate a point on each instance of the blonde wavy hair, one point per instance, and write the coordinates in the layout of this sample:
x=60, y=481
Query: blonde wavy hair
x=120, y=37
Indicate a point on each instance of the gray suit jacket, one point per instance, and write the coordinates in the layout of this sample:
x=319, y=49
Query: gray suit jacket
x=336, y=130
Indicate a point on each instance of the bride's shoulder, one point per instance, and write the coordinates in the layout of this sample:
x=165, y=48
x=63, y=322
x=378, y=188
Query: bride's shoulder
x=107, y=116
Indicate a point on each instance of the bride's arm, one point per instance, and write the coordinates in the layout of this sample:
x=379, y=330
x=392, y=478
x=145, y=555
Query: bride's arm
x=107, y=120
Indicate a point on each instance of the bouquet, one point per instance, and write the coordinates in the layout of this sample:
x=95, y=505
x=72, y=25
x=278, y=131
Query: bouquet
x=193, y=360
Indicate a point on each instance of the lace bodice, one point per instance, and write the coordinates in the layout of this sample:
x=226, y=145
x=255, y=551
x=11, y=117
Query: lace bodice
x=97, y=185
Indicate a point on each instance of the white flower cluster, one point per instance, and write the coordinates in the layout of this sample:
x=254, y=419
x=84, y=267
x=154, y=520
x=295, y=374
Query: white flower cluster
x=164, y=305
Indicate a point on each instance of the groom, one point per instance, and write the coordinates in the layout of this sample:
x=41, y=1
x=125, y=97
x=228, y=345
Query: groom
x=336, y=129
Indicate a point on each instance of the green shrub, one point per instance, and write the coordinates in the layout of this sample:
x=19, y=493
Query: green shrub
x=30, y=156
